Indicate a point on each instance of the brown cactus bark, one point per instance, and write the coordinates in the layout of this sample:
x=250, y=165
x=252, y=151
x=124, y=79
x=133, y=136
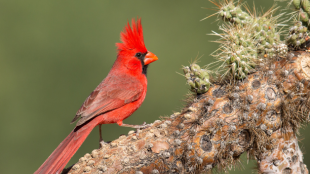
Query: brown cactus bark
x=286, y=157
x=260, y=115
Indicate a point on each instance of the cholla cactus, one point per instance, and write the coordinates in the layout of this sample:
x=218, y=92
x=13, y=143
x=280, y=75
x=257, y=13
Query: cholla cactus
x=261, y=30
x=303, y=11
x=267, y=38
x=197, y=78
x=297, y=35
x=234, y=14
x=236, y=51
x=247, y=40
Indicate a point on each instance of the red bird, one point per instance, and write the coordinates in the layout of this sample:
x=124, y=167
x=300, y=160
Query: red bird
x=118, y=96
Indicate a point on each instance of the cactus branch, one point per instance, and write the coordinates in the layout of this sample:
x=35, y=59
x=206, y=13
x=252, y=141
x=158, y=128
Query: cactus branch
x=286, y=157
x=260, y=115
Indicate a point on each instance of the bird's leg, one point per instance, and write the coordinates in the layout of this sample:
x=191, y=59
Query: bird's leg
x=101, y=142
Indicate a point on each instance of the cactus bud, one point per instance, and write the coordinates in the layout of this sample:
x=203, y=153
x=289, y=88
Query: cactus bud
x=194, y=67
x=304, y=17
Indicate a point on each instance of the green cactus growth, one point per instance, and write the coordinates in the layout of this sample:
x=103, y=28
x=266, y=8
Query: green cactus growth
x=247, y=40
x=297, y=35
x=234, y=14
x=267, y=38
x=303, y=10
x=262, y=30
x=197, y=78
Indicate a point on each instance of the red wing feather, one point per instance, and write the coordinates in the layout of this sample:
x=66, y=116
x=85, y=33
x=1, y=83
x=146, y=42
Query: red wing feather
x=105, y=97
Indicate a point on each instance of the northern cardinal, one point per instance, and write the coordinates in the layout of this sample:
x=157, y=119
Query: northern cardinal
x=119, y=95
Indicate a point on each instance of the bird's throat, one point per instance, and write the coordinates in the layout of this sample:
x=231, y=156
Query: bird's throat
x=144, y=68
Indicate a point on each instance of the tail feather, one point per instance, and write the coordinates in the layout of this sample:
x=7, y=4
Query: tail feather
x=57, y=161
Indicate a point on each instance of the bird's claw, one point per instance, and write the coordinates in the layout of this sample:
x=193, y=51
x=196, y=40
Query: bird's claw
x=137, y=127
x=144, y=125
x=101, y=144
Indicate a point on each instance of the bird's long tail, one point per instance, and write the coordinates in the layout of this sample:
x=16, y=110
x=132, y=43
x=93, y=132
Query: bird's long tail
x=55, y=163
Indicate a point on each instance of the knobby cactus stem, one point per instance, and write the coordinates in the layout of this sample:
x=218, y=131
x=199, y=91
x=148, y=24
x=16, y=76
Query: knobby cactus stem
x=286, y=157
x=259, y=115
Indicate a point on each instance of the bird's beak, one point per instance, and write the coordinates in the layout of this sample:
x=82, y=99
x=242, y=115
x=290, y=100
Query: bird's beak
x=149, y=58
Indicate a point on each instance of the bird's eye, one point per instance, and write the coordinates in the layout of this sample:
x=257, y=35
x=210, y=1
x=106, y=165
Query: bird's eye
x=138, y=55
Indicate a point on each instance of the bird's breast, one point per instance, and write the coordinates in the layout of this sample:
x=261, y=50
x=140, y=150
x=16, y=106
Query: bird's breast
x=123, y=112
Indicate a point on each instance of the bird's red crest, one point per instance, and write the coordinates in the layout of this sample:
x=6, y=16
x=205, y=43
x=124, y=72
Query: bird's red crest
x=132, y=38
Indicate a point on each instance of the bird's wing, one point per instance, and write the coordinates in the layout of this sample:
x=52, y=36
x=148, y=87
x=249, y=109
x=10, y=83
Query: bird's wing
x=112, y=93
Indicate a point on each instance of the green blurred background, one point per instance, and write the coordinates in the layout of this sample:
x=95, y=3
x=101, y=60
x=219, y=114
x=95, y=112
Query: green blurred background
x=54, y=53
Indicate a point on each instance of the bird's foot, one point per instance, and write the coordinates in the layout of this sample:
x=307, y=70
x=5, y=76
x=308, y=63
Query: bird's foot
x=142, y=126
x=137, y=127
x=101, y=144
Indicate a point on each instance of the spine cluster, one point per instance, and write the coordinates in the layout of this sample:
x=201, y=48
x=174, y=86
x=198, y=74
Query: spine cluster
x=262, y=31
x=297, y=35
x=267, y=38
x=234, y=14
x=197, y=78
x=247, y=40
x=237, y=51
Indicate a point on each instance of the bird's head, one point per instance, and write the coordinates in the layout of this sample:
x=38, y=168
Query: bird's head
x=132, y=50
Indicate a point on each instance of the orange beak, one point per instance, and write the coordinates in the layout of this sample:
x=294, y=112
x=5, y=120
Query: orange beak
x=149, y=58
